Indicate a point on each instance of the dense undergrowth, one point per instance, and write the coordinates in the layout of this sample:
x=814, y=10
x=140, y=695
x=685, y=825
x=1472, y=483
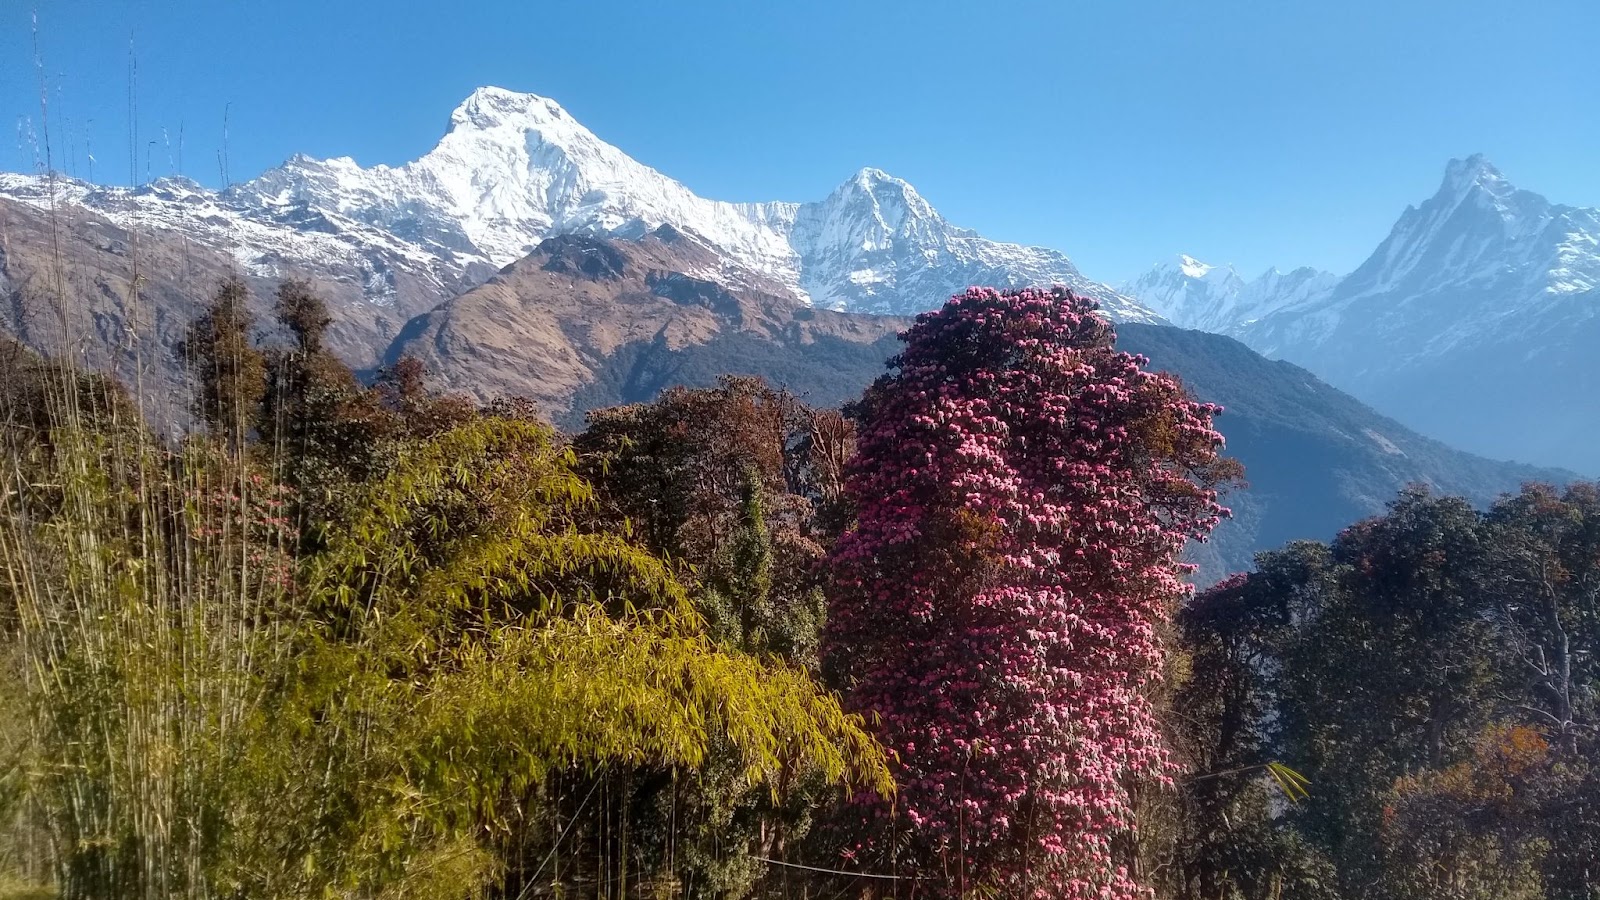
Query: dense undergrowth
x=348, y=642
x=366, y=641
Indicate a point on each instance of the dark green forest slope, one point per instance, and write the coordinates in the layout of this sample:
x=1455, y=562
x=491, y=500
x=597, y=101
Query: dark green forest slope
x=1316, y=459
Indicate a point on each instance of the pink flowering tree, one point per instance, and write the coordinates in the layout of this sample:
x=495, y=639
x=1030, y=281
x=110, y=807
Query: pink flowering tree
x=1023, y=491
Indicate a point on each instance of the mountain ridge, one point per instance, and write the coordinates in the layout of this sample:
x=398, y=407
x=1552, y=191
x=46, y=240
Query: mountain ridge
x=1475, y=320
x=1194, y=294
x=514, y=168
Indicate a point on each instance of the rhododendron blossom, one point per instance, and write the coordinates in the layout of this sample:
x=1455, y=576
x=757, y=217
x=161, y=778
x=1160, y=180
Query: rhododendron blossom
x=1023, y=491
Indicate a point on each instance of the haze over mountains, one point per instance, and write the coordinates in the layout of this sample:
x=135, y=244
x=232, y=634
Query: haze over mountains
x=1477, y=320
x=523, y=255
x=1192, y=294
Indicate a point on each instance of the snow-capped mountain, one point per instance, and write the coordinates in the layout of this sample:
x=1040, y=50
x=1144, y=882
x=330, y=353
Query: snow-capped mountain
x=875, y=245
x=264, y=239
x=1192, y=294
x=1479, y=261
x=514, y=169
x=1477, y=320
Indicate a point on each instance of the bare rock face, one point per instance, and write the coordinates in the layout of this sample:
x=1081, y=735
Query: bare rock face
x=76, y=286
x=118, y=298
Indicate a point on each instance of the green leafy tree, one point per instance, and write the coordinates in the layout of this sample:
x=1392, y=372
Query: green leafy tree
x=1391, y=675
x=733, y=481
x=729, y=481
x=1545, y=561
x=1433, y=674
x=402, y=391
x=1231, y=842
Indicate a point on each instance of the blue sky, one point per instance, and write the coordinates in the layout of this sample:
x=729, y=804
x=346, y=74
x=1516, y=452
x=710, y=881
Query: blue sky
x=1269, y=132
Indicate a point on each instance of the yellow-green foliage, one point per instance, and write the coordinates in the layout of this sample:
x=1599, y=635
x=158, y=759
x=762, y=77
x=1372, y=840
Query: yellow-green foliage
x=204, y=715
x=485, y=517
x=643, y=690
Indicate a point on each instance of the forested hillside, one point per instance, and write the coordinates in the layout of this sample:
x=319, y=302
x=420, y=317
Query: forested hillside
x=1317, y=459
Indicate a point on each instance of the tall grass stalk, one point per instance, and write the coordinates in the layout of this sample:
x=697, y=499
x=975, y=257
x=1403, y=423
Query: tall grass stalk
x=144, y=618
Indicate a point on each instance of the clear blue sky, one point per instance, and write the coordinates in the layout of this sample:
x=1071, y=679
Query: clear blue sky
x=1282, y=132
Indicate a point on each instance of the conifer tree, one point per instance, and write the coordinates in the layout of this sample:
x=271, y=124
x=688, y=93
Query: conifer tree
x=230, y=373
x=738, y=595
x=318, y=421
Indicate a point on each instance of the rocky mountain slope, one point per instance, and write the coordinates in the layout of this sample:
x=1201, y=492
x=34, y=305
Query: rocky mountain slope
x=182, y=241
x=76, y=283
x=386, y=244
x=546, y=325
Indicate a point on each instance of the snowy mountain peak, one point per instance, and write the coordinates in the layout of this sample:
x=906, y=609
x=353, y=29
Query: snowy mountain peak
x=488, y=107
x=1463, y=175
x=1473, y=184
x=493, y=124
x=515, y=168
x=887, y=205
x=880, y=187
x=1483, y=295
x=870, y=176
x=1191, y=267
x=1480, y=229
x=1195, y=294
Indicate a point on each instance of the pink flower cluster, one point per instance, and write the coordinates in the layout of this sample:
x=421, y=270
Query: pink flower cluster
x=252, y=519
x=1023, y=492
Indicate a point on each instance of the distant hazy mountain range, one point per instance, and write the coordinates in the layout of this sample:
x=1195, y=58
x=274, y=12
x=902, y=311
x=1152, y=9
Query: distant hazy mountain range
x=1192, y=294
x=1477, y=320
